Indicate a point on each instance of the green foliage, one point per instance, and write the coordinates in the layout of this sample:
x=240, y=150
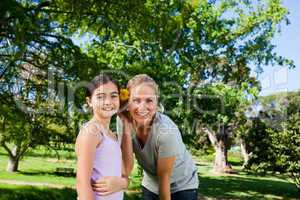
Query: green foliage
x=276, y=147
x=37, y=60
x=259, y=143
x=286, y=147
x=217, y=107
x=181, y=44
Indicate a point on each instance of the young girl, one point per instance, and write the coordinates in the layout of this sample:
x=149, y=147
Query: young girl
x=98, y=150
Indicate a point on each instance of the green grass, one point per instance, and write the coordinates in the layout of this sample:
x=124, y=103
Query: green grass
x=40, y=166
x=14, y=192
x=246, y=186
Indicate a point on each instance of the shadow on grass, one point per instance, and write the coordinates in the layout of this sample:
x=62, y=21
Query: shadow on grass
x=246, y=188
x=47, y=173
x=219, y=187
x=35, y=193
x=133, y=196
x=39, y=193
x=236, y=163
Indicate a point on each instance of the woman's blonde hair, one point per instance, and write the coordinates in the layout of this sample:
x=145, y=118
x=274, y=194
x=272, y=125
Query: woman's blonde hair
x=143, y=79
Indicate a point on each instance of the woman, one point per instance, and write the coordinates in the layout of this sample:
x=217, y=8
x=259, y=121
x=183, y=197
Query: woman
x=169, y=171
x=97, y=148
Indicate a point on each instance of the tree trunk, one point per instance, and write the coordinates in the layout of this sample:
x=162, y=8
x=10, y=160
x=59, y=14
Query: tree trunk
x=245, y=153
x=13, y=164
x=14, y=156
x=13, y=161
x=221, y=164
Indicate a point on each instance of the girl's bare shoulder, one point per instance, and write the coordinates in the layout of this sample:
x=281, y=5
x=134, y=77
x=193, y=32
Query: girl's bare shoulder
x=90, y=129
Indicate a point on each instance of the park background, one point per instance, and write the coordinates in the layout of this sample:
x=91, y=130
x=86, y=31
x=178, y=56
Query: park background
x=228, y=73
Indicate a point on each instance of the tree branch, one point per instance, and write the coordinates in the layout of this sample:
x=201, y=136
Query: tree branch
x=7, y=149
x=22, y=152
x=211, y=136
x=4, y=71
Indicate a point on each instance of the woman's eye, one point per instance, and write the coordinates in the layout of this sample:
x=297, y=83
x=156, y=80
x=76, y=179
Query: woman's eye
x=100, y=97
x=115, y=96
x=149, y=100
x=136, y=100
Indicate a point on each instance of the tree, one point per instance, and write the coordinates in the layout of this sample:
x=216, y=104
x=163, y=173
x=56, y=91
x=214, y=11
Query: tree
x=278, y=148
x=218, y=108
x=286, y=147
x=36, y=60
x=181, y=44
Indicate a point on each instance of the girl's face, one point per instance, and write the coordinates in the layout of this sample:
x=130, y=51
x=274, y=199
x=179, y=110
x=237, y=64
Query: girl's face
x=142, y=104
x=105, y=100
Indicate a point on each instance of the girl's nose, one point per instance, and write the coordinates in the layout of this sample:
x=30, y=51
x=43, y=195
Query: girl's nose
x=107, y=101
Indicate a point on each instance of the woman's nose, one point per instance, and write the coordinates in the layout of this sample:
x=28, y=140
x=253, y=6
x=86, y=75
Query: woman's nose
x=142, y=106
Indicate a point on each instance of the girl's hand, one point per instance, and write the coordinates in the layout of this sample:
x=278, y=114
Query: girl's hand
x=109, y=184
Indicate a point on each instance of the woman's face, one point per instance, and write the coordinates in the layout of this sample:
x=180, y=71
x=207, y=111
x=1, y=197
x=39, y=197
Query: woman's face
x=105, y=100
x=142, y=104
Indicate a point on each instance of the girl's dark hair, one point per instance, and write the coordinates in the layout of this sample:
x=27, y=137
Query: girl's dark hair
x=101, y=79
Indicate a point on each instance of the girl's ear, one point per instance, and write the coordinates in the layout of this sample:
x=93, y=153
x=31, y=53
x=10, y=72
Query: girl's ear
x=88, y=100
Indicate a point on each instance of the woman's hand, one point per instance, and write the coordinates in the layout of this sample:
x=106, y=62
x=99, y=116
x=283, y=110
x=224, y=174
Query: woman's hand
x=127, y=122
x=126, y=145
x=110, y=184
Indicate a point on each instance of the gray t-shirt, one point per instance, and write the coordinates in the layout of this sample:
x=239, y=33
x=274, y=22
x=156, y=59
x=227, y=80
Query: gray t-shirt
x=164, y=140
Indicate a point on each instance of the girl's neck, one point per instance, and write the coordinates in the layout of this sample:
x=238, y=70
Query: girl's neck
x=103, y=121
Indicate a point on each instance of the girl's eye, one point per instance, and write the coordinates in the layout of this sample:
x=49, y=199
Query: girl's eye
x=114, y=96
x=100, y=97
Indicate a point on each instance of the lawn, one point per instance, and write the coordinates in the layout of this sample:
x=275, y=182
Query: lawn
x=40, y=166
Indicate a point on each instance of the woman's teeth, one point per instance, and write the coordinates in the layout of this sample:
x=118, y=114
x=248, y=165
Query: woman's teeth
x=107, y=109
x=142, y=114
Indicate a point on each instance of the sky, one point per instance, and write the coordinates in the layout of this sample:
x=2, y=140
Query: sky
x=275, y=78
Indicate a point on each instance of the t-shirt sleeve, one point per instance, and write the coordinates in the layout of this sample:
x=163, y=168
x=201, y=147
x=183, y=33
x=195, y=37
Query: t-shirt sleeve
x=168, y=142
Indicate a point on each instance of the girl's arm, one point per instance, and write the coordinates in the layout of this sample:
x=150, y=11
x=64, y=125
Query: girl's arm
x=85, y=147
x=111, y=184
x=164, y=172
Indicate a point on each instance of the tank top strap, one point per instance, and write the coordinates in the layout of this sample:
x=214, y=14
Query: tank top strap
x=102, y=132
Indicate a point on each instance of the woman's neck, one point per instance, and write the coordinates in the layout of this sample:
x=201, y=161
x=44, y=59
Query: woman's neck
x=142, y=129
x=103, y=121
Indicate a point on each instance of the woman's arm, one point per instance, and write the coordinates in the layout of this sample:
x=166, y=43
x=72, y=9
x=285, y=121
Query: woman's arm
x=85, y=148
x=164, y=172
x=126, y=146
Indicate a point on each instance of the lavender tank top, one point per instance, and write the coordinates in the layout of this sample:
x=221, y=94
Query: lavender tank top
x=108, y=162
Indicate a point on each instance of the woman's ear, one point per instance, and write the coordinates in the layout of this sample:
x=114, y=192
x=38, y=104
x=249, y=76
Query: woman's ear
x=160, y=108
